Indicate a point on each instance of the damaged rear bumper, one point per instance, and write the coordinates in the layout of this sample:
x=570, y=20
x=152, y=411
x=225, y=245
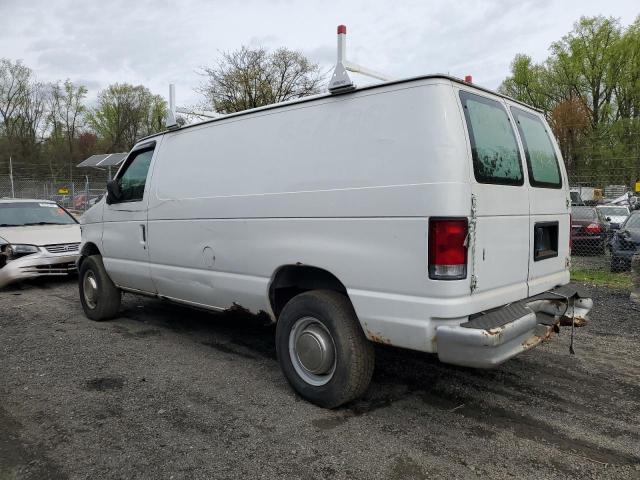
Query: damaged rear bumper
x=490, y=338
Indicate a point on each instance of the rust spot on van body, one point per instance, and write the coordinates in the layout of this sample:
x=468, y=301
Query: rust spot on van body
x=377, y=338
x=536, y=339
x=578, y=321
x=492, y=331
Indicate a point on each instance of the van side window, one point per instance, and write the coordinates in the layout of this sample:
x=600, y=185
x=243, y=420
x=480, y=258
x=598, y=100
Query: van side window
x=133, y=179
x=542, y=162
x=496, y=158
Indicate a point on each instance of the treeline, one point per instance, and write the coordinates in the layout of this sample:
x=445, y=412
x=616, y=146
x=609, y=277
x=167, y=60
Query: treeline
x=47, y=128
x=589, y=89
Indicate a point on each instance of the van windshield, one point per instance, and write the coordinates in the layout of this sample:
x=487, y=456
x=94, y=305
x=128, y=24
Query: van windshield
x=493, y=142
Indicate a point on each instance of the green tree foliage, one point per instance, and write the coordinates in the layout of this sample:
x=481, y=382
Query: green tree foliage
x=47, y=129
x=124, y=114
x=589, y=89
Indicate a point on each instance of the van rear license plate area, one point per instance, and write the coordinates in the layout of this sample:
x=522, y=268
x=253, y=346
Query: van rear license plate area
x=545, y=243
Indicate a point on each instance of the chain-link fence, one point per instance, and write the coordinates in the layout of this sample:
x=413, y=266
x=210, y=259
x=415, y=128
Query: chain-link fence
x=76, y=195
x=605, y=226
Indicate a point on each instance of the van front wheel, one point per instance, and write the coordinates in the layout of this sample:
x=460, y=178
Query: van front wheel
x=322, y=350
x=99, y=296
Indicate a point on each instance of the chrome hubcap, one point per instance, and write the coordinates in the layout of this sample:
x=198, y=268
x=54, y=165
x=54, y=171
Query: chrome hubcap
x=90, y=289
x=312, y=351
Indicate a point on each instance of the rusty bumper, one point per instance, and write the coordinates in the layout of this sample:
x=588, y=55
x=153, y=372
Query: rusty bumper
x=489, y=338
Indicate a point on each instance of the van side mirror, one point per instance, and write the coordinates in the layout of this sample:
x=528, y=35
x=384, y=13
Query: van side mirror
x=608, y=219
x=114, y=194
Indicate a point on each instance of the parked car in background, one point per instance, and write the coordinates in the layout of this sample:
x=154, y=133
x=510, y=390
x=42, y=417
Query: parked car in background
x=587, y=195
x=590, y=231
x=625, y=243
x=37, y=238
x=576, y=199
x=614, y=214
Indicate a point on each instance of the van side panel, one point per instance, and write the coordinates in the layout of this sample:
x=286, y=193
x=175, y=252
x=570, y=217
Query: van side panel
x=233, y=201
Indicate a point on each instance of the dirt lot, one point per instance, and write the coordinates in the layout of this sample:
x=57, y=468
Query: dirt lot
x=169, y=392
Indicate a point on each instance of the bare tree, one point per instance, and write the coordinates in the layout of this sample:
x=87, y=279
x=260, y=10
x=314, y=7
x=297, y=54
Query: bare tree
x=66, y=114
x=249, y=78
x=15, y=80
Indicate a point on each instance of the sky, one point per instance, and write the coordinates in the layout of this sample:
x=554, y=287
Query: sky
x=158, y=42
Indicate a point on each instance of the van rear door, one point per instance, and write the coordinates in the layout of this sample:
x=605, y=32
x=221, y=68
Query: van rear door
x=548, y=201
x=499, y=250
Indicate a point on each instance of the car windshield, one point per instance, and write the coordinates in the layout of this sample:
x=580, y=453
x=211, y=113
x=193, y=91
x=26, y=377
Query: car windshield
x=18, y=214
x=582, y=213
x=614, y=211
x=633, y=221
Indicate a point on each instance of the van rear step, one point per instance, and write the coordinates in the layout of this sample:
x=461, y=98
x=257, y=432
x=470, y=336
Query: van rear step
x=492, y=337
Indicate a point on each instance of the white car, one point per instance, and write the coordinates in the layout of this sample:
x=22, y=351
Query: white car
x=615, y=214
x=37, y=238
x=425, y=213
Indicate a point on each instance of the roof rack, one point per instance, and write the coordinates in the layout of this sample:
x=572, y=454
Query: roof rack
x=340, y=80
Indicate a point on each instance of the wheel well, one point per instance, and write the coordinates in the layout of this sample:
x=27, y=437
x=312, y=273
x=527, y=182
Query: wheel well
x=87, y=250
x=292, y=280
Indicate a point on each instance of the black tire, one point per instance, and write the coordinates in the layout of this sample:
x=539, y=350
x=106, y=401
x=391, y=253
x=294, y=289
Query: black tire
x=106, y=304
x=602, y=249
x=354, y=354
x=619, y=264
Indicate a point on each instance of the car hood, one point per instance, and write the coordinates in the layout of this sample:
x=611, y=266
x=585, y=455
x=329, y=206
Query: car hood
x=41, y=234
x=616, y=219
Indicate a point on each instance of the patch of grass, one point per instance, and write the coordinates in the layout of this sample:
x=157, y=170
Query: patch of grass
x=602, y=278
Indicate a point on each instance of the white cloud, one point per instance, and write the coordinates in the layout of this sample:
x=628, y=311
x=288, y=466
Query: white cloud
x=155, y=42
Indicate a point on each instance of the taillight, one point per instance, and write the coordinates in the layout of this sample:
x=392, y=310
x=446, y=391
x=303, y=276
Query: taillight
x=593, y=228
x=447, y=249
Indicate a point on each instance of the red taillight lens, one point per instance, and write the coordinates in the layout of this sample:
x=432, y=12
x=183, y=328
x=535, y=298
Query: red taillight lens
x=593, y=228
x=447, y=249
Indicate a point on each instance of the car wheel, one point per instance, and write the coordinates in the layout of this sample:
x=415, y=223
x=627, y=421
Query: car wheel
x=322, y=349
x=99, y=296
x=618, y=264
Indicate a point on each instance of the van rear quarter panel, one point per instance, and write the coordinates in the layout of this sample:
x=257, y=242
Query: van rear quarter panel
x=344, y=183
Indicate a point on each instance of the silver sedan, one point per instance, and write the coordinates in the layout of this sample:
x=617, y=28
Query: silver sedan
x=37, y=238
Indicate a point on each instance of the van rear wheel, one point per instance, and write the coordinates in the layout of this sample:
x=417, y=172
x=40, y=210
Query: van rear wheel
x=99, y=296
x=322, y=350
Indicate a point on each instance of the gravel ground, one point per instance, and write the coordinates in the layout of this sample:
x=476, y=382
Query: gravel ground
x=169, y=392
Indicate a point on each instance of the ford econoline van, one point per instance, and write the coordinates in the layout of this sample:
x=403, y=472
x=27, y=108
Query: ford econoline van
x=427, y=213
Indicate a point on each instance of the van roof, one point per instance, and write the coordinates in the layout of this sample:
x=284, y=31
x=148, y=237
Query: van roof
x=328, y=95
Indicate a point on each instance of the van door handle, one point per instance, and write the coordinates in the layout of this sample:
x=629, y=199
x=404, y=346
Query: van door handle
x=143, y=236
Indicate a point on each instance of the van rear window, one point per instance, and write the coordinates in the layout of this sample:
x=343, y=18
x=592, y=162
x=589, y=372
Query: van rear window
x=493, y=142
x=542, y=162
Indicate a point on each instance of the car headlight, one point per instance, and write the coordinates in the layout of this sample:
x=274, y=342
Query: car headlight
x=17, y=250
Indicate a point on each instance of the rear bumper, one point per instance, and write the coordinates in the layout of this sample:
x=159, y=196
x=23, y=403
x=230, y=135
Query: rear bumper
x=37, y=265
x=490, y=338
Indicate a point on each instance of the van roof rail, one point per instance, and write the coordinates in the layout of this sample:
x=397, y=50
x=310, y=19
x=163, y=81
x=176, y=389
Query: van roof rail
x=340, y=80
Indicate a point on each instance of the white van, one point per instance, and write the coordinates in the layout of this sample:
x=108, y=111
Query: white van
x=426, y=213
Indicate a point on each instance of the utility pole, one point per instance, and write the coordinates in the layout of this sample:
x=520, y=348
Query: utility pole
x=13, y=193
